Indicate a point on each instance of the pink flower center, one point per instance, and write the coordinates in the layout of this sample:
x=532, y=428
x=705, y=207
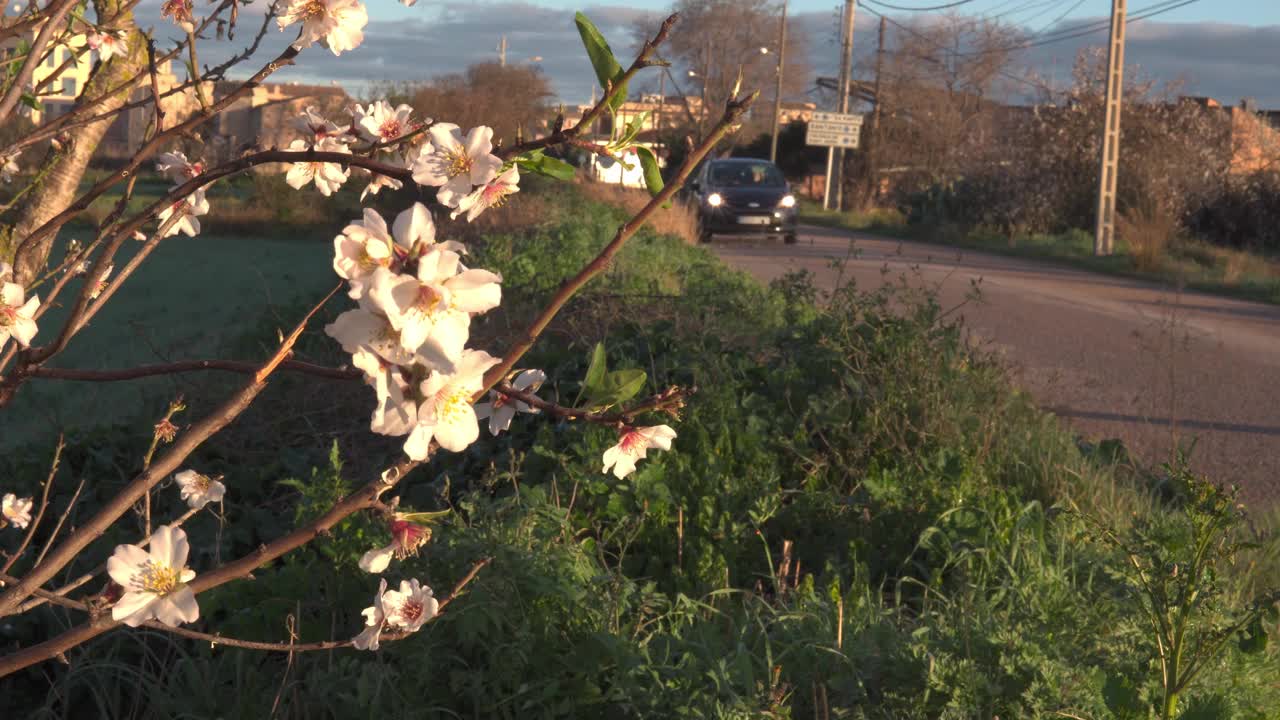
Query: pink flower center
x=8, y=316
x=409, y=537
x=632, y=443
x=429, y=298
x=391, y=129
x=411, y=610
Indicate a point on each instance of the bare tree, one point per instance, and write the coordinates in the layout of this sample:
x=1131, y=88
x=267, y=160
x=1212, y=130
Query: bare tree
x=513, y=99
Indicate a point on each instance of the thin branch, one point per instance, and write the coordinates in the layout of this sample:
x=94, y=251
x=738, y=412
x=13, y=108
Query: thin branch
x=36, y=54
x=215, y=639
x=645, y=59
x=669, y=401
x=184, y=366
x=166, y=465
x=44, y=504
x=62, y=519
x=728, y=123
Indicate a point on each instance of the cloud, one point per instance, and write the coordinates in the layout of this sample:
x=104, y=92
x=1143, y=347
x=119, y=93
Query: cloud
x=1221, y=60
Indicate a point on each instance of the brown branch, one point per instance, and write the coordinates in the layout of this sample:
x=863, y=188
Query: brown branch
x=150, y=148
x=155, y=87
x=215, y=639
x=184, y=366
x=44, y=505
x=669, y=401
x=733, y=113
x=642, y=61
x=125, y=499
x=62, y=519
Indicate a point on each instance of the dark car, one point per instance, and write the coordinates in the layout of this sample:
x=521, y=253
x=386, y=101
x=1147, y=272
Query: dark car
x=743, y=196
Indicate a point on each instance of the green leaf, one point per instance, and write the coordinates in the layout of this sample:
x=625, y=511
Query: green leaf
x=1123, y=699
x=425, y=517
x=596, y=370
x=608, y=71
x=1254, y=638
x=536, y=162
x=634, y=127
x=616, y=388
x=30, y=101
x=652, y=173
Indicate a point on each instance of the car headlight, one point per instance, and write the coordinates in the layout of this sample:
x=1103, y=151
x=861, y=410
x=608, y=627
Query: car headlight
x=715, y=200
x=788, y=201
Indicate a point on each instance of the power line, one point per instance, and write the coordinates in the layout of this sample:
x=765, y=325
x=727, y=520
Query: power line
x=935, y=8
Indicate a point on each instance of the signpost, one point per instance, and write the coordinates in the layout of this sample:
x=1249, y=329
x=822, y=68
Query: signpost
x=833, y=130
x=829, y=129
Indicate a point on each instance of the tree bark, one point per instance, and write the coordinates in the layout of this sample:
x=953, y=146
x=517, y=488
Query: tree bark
x=62, y=170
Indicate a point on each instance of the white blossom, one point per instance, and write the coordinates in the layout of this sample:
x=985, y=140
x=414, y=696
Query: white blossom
x=189, y=210
x=316, y=127
x=376, y=350
x=633, y=446
x=154, y=582
x=410, y=607
x=374, y=619
x=445, y=414
x=16, y=511
x=8, y=167
x=500, y=409
x=406, y=538
x=491, y=194
x=456, y=163
x=181, y=13
x=17, y=316
x=363, y=246
x=199, y=489
x=378, y=182
x=335, y=24
x=432, y=311
x=327, y=176
x=176, y=166
x=381, y=123
x=108, y=43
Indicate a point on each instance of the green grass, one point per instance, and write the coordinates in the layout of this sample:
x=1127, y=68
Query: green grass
x=1190, y=263
x=190, y=300
x=942, y=572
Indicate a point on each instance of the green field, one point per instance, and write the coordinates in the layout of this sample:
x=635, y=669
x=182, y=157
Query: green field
x=190, y=299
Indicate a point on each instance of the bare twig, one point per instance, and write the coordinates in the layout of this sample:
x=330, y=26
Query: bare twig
x=728, y=123
x=132, y=493
x=62, y=519
x=34, y=56
x=669, y=401
x=244, y=368
x=44, y=504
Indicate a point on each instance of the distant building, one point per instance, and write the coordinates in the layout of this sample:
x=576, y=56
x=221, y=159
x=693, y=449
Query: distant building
x=62, y=77
x=664, y=112
x=1255, y=134
x=263, y=116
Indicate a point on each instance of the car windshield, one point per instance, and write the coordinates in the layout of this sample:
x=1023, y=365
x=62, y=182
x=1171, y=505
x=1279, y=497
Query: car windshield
x=742, y=174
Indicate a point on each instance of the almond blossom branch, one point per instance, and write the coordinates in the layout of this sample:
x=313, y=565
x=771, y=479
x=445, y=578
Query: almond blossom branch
x=150, y=148
x=728, y=123
x=216, y=639
x=44, y=504
x=113, y=509
x=363, y=498
x=184, y=366
x=644, y=60
x=669, y=401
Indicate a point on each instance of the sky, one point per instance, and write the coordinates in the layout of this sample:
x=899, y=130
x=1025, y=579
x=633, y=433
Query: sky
x=1220, y=48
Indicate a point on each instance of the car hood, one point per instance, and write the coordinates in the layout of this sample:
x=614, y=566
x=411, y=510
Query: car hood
x=743, y=196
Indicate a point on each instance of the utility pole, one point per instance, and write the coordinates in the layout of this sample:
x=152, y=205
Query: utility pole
x=873, y=152
x=662, y=105
x=502, y=51
x=1104, y=232
x=777, y=97
x=835, y=160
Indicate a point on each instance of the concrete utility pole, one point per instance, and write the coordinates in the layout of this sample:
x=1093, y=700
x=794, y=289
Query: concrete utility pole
x=835, y=159
x=1104, y=232
x=777, y=98
x=502, y=51
x=873, y=152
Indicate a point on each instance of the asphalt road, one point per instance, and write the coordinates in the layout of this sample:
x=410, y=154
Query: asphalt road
x=1114, y=358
